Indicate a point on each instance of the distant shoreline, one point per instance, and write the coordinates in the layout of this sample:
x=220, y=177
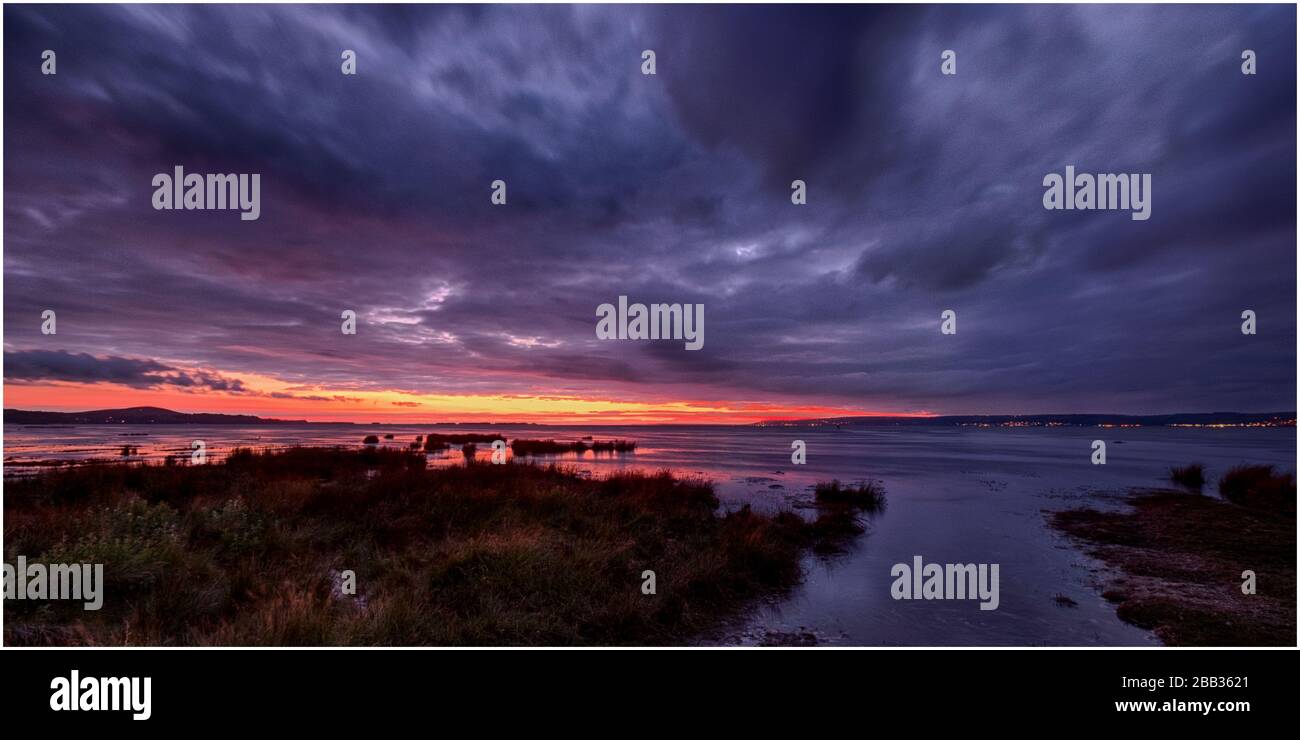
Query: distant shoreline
x=148, y=415
x=1211, y=419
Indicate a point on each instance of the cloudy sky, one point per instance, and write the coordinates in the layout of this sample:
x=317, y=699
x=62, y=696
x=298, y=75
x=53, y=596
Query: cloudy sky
x=924, y=194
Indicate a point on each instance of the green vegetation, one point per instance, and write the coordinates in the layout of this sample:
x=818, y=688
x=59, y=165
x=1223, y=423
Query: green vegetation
x=249, y=551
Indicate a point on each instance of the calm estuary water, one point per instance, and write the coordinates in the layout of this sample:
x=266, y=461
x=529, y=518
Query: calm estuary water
x=955, y=495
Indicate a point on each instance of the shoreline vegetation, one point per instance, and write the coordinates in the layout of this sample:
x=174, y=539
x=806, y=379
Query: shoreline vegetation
x=520, y=447
x=1177, y=559
x=251, y=551
x=428, y=443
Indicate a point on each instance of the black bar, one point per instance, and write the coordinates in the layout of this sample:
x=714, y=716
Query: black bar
x=1047, y=691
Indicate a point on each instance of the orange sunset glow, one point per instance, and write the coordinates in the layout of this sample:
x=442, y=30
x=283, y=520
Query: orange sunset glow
x=325, y=405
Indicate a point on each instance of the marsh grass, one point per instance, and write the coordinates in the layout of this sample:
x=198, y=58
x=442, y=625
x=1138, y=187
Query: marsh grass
x=1260, y=487
x=246, y=552
x=866, y=495
x=440, y=442
x=1191, y=477
x=525, y=447
x=1177, y=562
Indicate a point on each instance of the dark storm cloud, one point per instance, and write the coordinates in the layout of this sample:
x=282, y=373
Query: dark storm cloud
x=79, y=367
x=924, y=195
x=58, y=365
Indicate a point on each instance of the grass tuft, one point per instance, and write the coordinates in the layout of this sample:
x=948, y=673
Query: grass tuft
x=1260, y=487
x=866, y=495
x=1191, y=477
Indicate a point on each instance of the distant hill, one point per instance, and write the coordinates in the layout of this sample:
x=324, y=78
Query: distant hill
x=135, y=415
x=1216, y=418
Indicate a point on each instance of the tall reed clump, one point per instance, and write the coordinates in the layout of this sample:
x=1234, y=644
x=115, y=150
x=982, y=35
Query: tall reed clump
x=1191, y=477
